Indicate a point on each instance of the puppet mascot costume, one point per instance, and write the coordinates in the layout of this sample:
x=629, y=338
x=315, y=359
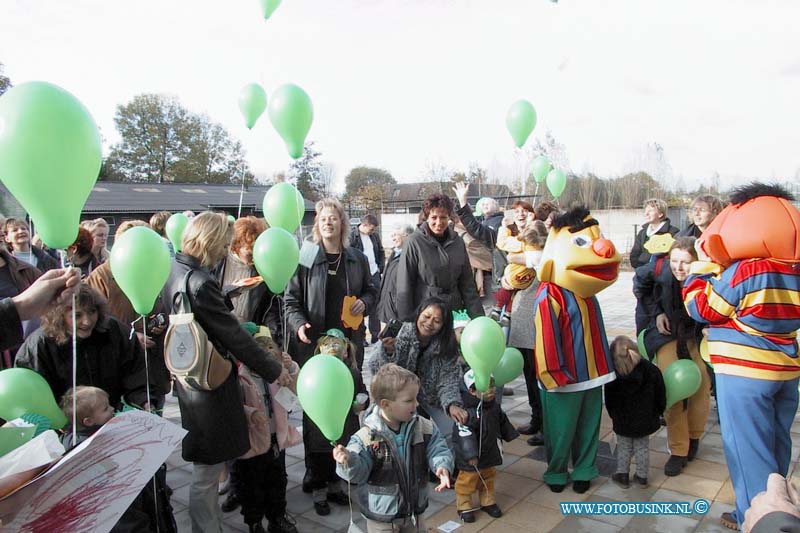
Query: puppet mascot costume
x=572, y=354
x=748, y=291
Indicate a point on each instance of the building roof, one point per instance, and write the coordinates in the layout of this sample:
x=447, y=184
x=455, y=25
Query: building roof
x=127, y=197
x=416, y=192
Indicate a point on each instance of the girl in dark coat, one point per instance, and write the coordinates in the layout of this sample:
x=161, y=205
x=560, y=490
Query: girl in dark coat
x=634, y=401
x=434, y=263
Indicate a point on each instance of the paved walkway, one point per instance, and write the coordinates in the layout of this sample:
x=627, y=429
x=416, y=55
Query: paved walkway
x=527, y=503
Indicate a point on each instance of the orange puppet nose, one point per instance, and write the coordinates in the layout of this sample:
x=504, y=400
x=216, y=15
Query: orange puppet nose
x=603, y=248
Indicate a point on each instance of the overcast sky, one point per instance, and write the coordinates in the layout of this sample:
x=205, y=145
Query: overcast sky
x=402, y=83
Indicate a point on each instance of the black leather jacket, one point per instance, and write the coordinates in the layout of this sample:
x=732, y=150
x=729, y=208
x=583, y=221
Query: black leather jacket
x=305, y=298
x=215, y=419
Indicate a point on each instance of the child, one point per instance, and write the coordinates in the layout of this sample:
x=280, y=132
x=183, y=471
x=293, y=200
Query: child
x=260, y=479
x=151, y=510
x=93, y=410
x=517, y=277
x=634, y=402
x=325, y=484
x=394, y=442
x=477, y=450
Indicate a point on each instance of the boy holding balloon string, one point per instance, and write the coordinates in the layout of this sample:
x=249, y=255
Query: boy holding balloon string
x=393, y=443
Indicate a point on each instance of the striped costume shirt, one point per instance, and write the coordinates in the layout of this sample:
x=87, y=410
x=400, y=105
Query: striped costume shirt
x=571, y=346
x=753, y=308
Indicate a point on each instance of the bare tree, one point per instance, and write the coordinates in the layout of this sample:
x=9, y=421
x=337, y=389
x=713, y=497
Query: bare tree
x=327, y=175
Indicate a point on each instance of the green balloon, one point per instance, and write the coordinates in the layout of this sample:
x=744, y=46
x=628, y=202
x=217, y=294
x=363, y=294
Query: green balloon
x=509, y=367
x=482, y=344
x=50, y=156
x=681, y=379
x=268, y=7
x=556, y=182
x=291, y=114
x=325, y=389
x=23, y=391
x=140, y=264
x=520, y=121
x=540, y=168
x=642, y=347
x=231, y=218
x=176, y=224
x=13, y=438
x=283, y=207
x=276, y=255
x=252, y=103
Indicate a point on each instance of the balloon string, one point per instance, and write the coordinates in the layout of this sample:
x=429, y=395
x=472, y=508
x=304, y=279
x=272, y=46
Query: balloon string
x=63, y=254
x=241, y=193
x=149, y=406
x=535, y=194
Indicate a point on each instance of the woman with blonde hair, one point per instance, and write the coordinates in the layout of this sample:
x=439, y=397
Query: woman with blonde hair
x=329, y=271
x=99, y=229
x=656, y=222
x=215, y=420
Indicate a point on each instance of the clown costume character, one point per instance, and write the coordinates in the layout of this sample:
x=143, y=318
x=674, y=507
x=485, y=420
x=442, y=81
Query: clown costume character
x=746, y=287
x=572, y=357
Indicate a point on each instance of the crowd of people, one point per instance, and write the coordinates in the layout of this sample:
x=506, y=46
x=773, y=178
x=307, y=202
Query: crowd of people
x=423, y=419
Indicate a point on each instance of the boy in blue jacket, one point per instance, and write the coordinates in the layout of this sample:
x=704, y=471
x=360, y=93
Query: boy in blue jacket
x=389, y=457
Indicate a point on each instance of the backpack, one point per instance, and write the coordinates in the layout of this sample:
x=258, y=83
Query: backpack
x=188, y=353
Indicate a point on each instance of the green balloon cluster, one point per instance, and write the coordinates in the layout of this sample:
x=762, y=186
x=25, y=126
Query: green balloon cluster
x=276, y=255
x=50, y=156
x=23, y=391
x=540, y=168
x=140, y=264
x=556, y=182
x=284, y=207
x=291, y=114
x=268, y=7
x=252, y=103
x=176, y=224
x=483, y=344
x=325, y=390
x=681, y=379
x=520, y=121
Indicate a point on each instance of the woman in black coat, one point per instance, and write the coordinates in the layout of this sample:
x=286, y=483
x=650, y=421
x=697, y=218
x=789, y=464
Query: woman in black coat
x=434, y=263
x=656, y=223
x=107, y=357
x=215, y=420
x=329, y=271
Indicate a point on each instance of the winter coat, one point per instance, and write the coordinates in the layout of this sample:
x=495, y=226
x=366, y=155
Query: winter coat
x=478, y=437
x=10, y=325
x=215, y=420
x=487, y=232
x=635, y=402
x=22, y=274
x=109, y=359
x=44, y=260
x=389, y=486
x=430, y=268
x=640, y=256
x=690, y=231
x=657, y=291
x=438, y=370
x=315, y=441
x=380, y=256
x=387, y=304
x=305, y=298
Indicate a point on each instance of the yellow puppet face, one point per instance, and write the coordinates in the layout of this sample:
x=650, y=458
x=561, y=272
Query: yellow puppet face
x=578, y=258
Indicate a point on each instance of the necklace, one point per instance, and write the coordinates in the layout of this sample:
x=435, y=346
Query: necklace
x=334, y=264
